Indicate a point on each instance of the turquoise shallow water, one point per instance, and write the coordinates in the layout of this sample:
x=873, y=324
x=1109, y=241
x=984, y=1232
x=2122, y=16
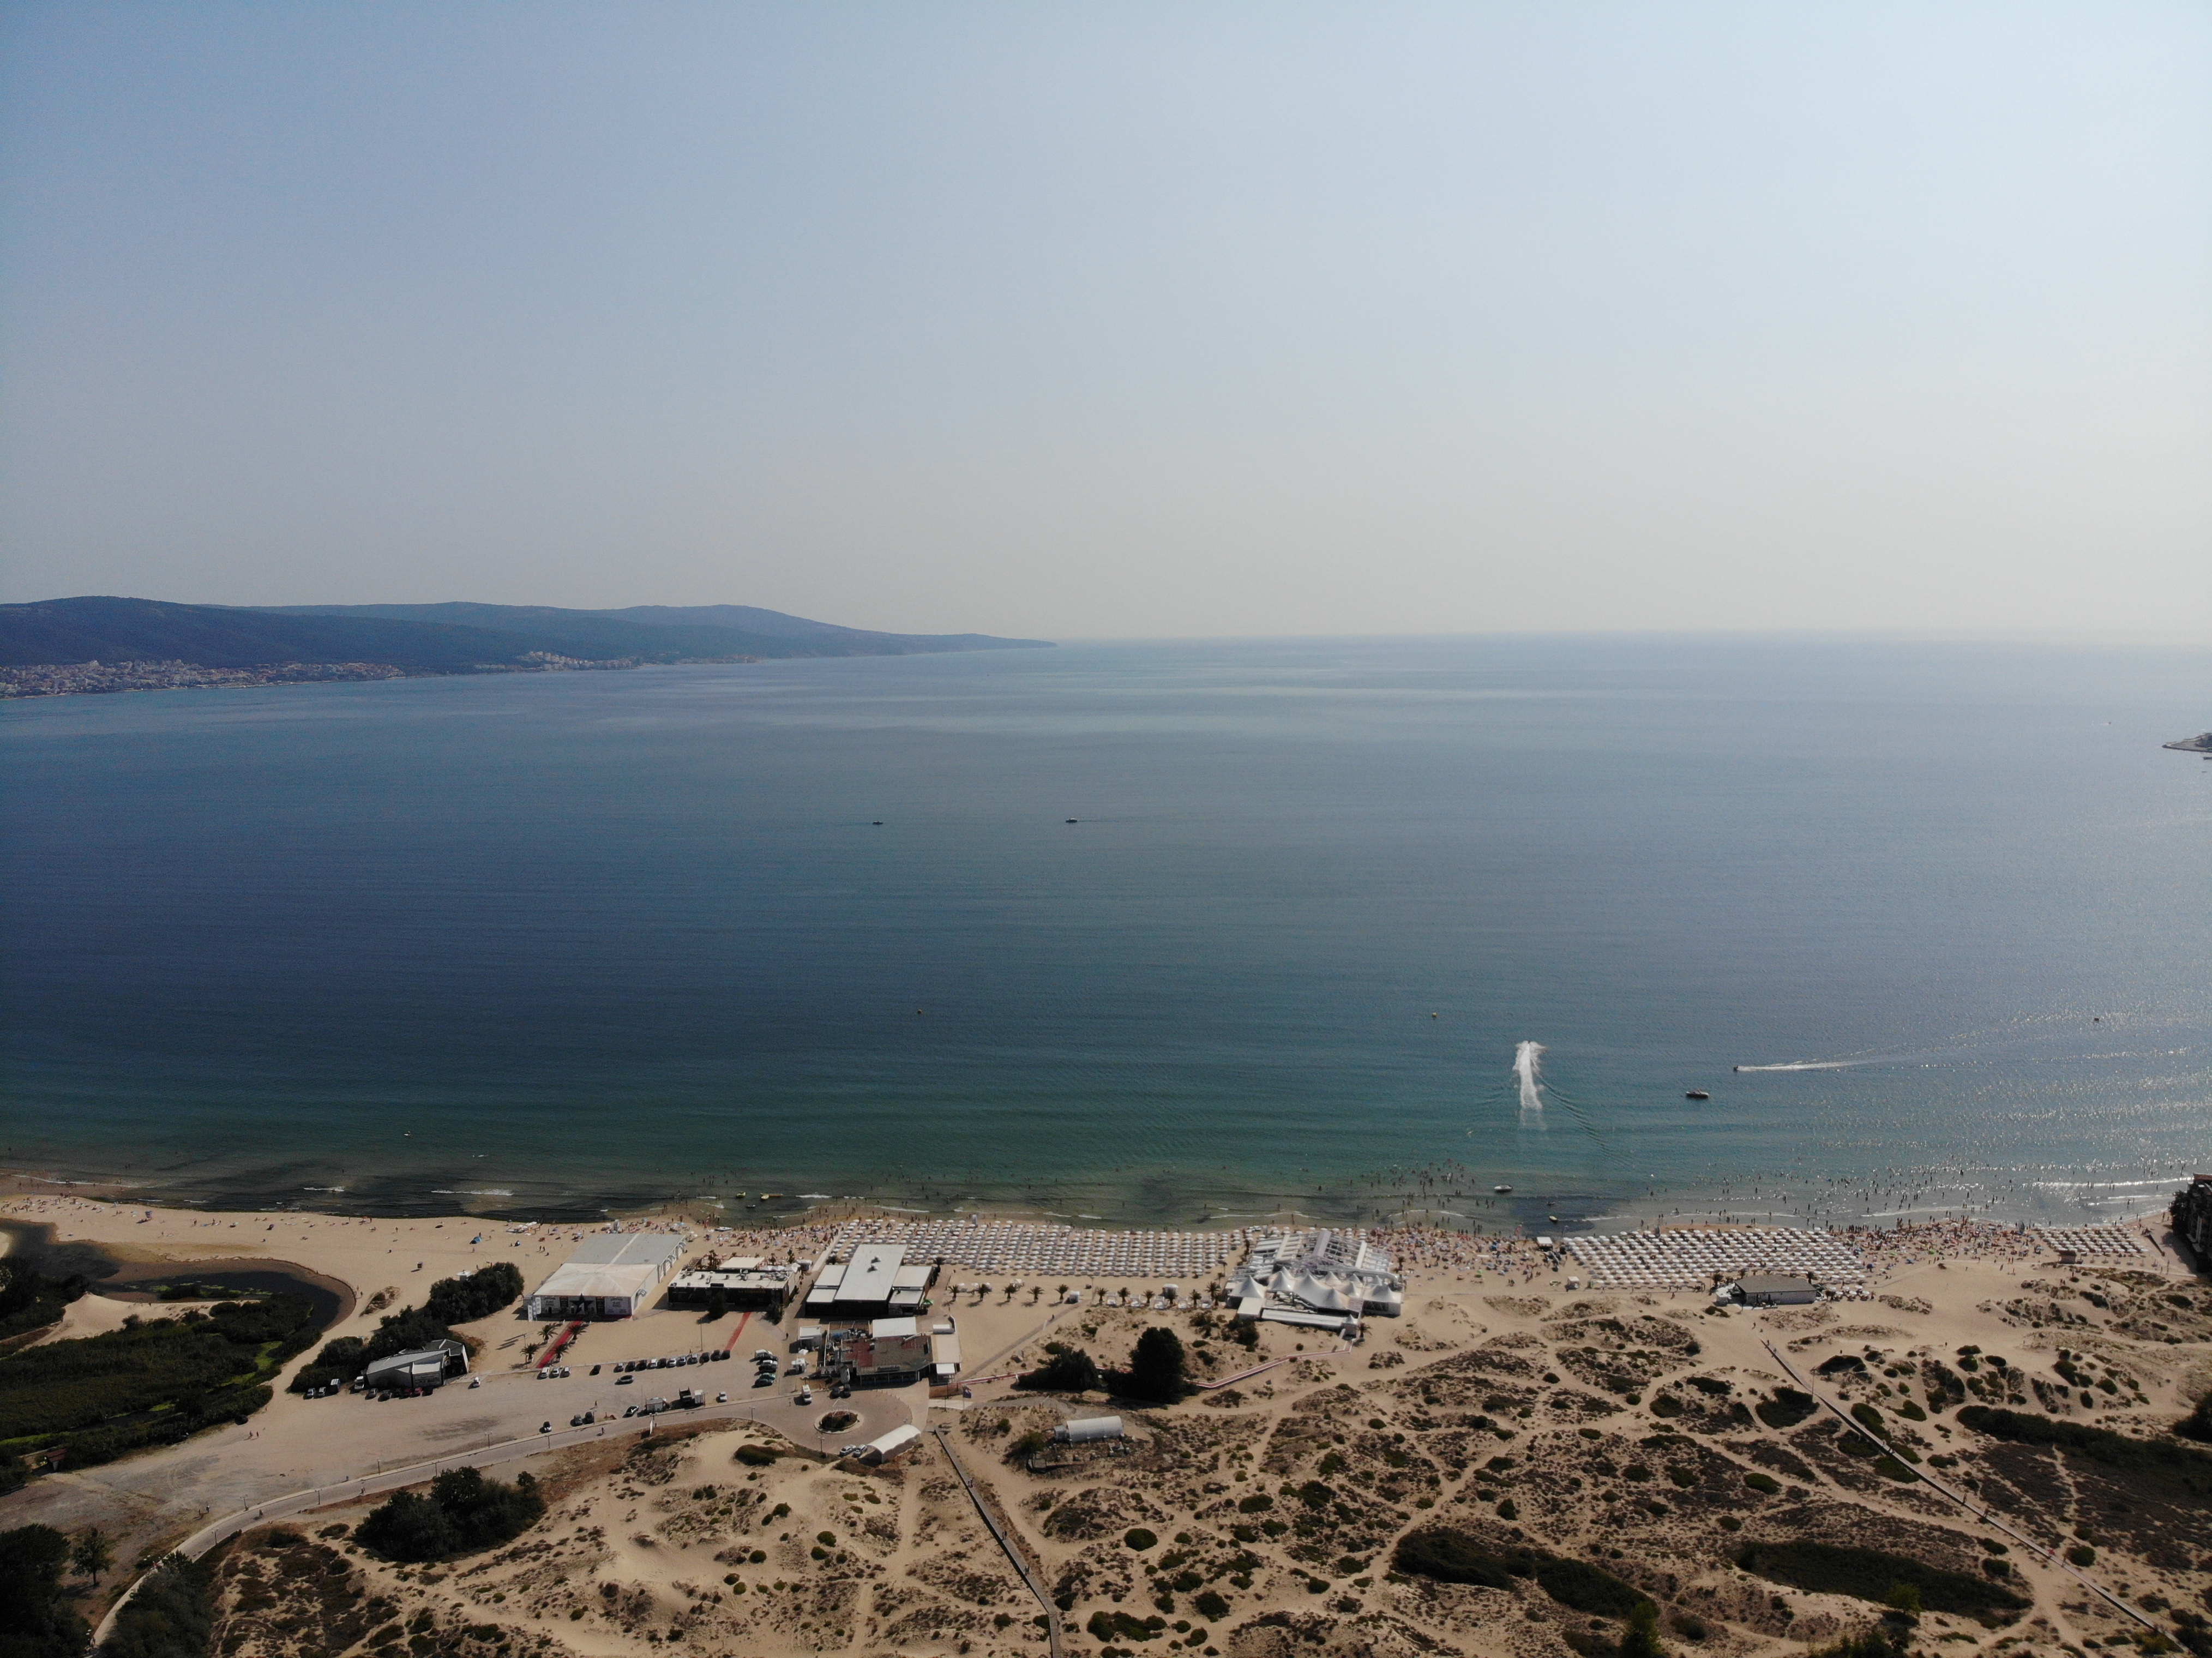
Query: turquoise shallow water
x=568, y=941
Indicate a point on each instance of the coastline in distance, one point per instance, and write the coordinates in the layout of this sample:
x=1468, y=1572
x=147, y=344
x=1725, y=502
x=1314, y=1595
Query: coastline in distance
x=103, y=643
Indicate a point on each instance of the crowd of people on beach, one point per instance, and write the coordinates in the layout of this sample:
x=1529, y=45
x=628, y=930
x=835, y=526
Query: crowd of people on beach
x=1416, y=1250
x=2011, y=1245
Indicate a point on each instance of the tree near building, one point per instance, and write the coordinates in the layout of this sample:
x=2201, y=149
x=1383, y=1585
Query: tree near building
x=1070, y=1371
x=1156, y=1366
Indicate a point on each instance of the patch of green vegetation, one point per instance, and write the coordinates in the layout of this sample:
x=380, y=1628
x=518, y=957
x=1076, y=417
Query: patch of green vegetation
x=36, y=1617
x=1156, y=1367
x=1786, y=1409
x=1453, y=1556
x=171, y=1614
x=31, y=1301
x=1766, y=1484
x=464, y=1512
x=1867, y=1644
x=1450, y=1557
x=2197, y=1424
x=1070, y=1370
x=481, y=1294
x=1138, y=1539
x=1872, y=1575
x=156, y=1382
x=1120, y=1625
x=2179, y=1475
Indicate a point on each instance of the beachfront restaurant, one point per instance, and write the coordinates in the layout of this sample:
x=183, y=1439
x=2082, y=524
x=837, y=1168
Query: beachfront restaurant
x=890, y=1353
x=1319, y=1280
x=1772, y=1289
x=876, y=1282
x=610, y=1275
x=747, y=1285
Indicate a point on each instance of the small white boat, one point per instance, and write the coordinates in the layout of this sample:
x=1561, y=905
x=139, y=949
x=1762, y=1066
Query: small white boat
x=1501, y=1190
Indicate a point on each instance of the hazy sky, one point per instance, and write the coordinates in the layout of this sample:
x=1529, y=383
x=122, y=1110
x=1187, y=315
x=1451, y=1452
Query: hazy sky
x=1119, y=319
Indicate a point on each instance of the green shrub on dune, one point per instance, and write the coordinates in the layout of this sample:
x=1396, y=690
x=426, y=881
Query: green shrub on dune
x=171, y=1614
x=1453, y=1556
x=462, y=1514
x=1873, y=1576
x=481, y=1294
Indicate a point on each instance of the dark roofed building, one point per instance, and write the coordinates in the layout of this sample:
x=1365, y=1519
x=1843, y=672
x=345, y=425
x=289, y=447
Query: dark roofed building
x=2193, y=1218
x=1775, y=1289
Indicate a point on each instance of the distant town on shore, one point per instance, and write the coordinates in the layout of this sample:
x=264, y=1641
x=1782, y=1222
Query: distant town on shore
x=67, y=647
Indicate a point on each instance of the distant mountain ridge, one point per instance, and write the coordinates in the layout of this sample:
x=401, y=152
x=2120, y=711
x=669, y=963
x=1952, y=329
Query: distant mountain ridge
x=446, y=638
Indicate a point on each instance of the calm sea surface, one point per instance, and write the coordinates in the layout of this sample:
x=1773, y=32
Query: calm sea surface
x=553, y=943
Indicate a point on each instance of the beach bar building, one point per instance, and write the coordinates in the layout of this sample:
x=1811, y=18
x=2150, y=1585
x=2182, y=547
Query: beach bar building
x=875, y=1282
x=746, y=1284
x=1322, y=1280
x=610, y=1275
x=1773, y=1290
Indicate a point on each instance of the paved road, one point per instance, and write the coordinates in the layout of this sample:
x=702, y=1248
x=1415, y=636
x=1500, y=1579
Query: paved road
x=303, y=1444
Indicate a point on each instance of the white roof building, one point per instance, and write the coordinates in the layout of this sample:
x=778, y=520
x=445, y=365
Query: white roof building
x=612, y=1275
x=1325, y=1271
x=876, y=1280
x=891, y=1443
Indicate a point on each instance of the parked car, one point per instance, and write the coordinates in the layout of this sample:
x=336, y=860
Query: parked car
x=625, y=1381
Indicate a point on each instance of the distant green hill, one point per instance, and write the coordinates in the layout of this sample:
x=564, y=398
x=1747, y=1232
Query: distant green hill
x=438, y=638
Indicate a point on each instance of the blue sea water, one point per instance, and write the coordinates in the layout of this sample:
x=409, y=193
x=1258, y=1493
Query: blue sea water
x=561, y=942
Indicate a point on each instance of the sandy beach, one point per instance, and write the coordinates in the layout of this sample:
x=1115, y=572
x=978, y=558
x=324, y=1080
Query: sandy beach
x=1502, y=1403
